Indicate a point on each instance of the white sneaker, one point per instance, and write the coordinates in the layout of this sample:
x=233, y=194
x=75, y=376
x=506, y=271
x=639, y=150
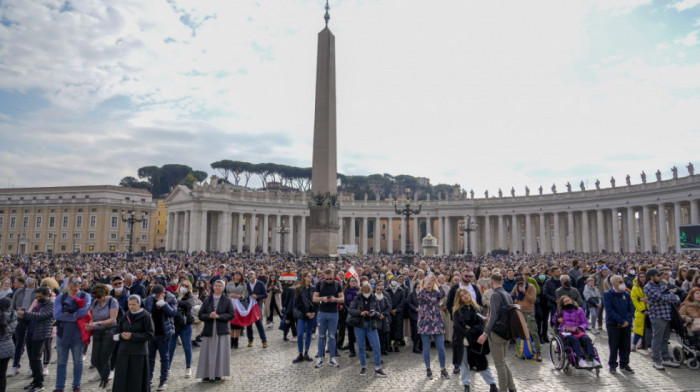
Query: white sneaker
x=270, y=325
x=596, y=363
x=111, y=375
x=582, y=363
x=101, y=389
x=84, y=358
x=333, y=362
x=188, y=373
x=13, y=372
x=29, y=373
x=95, y=377
x=319, y=363
x=45, y=372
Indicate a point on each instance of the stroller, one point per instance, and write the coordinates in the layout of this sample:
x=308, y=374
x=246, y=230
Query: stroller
x=689, y=350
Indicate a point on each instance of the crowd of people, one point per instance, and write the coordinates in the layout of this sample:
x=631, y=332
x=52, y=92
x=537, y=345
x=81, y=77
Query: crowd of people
x=125, y=314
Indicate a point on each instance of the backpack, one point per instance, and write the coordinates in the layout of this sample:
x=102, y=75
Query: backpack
x=523, y=349
x=511, y=323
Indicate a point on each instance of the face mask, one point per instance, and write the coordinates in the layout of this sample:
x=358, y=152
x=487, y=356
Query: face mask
x=372, y=287
x=567, y=284
x=381, y=275
x=632, y=272
x=569, y=306
x=543, y=277
x=195, y=293
x=379, y=296
x=394, y=284
x=622, y=287
x=118, y=290
x=366, y=295
x=175, y=281
x=41, y=301
x=183, y=290
x=664, y=281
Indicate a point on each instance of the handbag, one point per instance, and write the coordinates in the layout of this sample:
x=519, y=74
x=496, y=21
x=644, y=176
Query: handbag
x=353, y=322
x=694, y=326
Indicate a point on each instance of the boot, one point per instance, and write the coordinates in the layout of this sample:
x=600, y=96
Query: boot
x=416, y=349
x=232, y=339
x=299, y=358
x=235, y=343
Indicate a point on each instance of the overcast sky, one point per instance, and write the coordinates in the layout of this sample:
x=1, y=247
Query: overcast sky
x=487, y=94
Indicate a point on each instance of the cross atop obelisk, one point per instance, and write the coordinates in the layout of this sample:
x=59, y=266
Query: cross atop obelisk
x=323, y=223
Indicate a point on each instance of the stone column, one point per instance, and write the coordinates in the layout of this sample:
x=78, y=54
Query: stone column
x=403, y=235
x=557, y=232
x=528, y=234
x=364, y=235
x=289, y=241
x=515, y=237
x=177, y=239
x=390, y=235
x=239, y=240
x=186, y=233
x=278, y=223
x=441, y=237
x=252, y=232
x=204, y=231
x=416, y=229
x=195, y=227
x=585, y=235
x=340, y=231
x=694, y=215
x=615, y=231
x=226, y=240
x=571, y=238
x=448, y=236
x=646, y=224
x=302, y=235
x=352, y=230
x=266, y=233
x=169, y=231
x=631, y=230
x=544, y=238
x=487, y=234
x=677, y=221
x=600, y=220
x=377, y=236
x=501, y=236
x=663, y=236
x=475, y=243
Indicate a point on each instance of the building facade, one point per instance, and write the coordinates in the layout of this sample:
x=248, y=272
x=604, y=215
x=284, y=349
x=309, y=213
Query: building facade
x=86, y=219
x=161, y=223
x=631, y=218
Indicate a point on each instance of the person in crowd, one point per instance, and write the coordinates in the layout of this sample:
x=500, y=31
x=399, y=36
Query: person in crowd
x=215, y=355
x=366, y=321
x=690, y=311
x=639, y=299
x=133, y=332
x=509, y=281
x=104, y=312
x=498, y=344
x=69, y=307
x=257, y=292
x=288, y=309
x=162, y=305
x=397, y=297
x=572, y=322
x=688, y=283
x=8, y=322
x=525, y=294
x=602, y=278
x=550, y=289
x=6, y=288
x=594, y=301
x=660, y=302
x=465, y=282
x=183, y=325
x=542, y=307
x=430, y=323
x=328, y=294
x=305, y=314
x=174, y=284
x=131, y=286
x=40, y=318
x=385, y=316
x=237, y=287
x=273, y=300
x=412, y=314
x=21, y=300
x=618, y=322
x=568, y=290
x=53, y=285
x=468, y=326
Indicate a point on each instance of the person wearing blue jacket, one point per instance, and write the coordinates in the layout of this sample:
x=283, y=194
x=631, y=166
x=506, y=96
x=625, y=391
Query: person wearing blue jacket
x=620, y=313
x=162, y=306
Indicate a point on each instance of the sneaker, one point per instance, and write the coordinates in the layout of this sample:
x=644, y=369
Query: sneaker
x=659, y=366
x=217, y=380
x=13, y=372
x=84, y=358
x=627, y=369
x=596, y=364
x=188, y=373
x=298, y=359
x=162, y=386
x=95, y=377
x=333, y=362
x=444, y=374
x=613, y=370
x=29, y=386
x=29, y=373
x=363, y=372
x=670, y=363
x=319, y=363
x=111, y=375
x=582, y=363
x=270, y=325
x=455, y=370
x=429, y=374
x=380, y=373
x=45, y=372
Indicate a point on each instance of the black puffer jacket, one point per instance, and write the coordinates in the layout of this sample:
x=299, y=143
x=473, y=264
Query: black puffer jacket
x=42, y=316
x=358, y=306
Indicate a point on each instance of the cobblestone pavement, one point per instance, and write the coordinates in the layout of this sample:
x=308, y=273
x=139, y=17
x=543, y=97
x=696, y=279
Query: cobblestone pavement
x=257, y=369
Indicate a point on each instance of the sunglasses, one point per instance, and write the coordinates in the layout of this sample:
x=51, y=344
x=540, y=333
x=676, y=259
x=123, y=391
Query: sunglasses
x=468, y=276
x=76, y=281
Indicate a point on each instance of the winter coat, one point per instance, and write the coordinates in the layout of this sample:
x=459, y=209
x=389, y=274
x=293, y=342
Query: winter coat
x=412, y=305
x=169, y=311
x=141, y=327
x=273, y=291
x=525, y=300
x=640, y=307
x=225, y=311
x=303, y=303
x=549, y=292
x=467, y=324
x=356, y=309
x=690, y=309
x=288, y=303
x=572, y=292
x=453, y=293
x=184, y=315
x=618, y=307
x=398, y=300
x=572, y=318
x=259, y=290
x=7, y=346
x=592, y=296
x=385, y=309
x=42, y=317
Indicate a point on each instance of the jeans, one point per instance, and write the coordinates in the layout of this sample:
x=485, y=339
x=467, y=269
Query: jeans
x=593, y=310
x=532, y=326
x=619, y=341
x=20, y=336
x=304, y=327
x=261, y=331
x=34, y=351
x=464, y=369
x=159, y=344
x=63, y=348
x=499, y=347
x=600, y=317
x=185, y=334
x=578, y=346
x=327, y=327
x=102, y=348
x=661, y=330
x=439, y=344
x=371, y=334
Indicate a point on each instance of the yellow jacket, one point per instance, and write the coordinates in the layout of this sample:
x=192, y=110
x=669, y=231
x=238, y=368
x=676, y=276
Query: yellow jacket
x=637, y=293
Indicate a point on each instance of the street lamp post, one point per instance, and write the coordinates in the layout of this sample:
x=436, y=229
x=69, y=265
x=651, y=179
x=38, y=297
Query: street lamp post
x=131, y=217
x=467, y=227
x=282, y=230
x=407, y=209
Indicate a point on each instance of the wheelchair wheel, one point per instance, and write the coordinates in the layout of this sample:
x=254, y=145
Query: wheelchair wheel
x=694, y=364
x=557, y=353
x=678, y=355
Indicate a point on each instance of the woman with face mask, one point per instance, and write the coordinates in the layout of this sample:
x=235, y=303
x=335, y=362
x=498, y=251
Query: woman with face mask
x=133, y=332
x=571, y=321
x=183, y=324
x=366, y=318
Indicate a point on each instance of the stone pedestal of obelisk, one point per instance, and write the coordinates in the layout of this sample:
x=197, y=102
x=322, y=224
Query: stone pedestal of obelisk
x=323, y=222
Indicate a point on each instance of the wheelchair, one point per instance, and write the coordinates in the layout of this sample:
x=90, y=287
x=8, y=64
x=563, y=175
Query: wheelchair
x=563, y=357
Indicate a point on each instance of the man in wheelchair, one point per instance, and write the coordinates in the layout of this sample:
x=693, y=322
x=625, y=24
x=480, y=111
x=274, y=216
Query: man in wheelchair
x=570, y=321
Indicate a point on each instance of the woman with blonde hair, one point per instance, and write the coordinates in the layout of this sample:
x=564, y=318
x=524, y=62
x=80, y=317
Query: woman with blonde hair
x=183, y=324
x=468, y=325
x=430, y=323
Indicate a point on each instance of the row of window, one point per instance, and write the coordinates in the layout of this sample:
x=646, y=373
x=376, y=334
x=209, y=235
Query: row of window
x=76, y=248
x=65, y=222
x=77, y=236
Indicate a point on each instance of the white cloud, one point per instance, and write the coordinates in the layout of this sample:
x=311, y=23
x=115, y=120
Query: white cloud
x=689, y=40
x=685, y=4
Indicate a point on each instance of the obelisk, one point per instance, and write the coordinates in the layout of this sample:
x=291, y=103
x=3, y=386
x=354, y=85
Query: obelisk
x=323, y=222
